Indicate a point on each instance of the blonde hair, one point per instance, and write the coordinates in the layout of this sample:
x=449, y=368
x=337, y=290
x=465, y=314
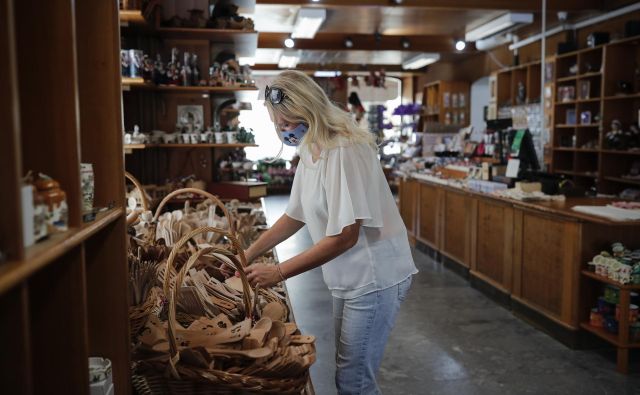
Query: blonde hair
x=306, y=102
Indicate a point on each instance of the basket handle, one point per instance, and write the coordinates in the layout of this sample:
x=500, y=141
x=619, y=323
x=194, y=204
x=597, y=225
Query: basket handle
x=206, y=194
x=136, y=183
x=239, y=266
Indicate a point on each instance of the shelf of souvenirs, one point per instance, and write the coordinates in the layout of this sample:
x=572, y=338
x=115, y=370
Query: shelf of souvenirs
x=134, y=18
x=52, y=247
x=130, y=147
x=139, y=83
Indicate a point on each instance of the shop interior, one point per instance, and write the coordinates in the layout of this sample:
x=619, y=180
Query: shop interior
x=140, y=162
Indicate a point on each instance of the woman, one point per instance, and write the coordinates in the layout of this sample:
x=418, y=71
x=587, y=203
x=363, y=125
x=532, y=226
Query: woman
x=340, y=193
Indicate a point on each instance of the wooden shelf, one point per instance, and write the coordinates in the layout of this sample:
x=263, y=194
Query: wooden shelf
x=131, y=17
x=590, y=75
x=565, y=103
x=623, y=97
x=41, y=254
x=577, y=173
x=571, y=149
x=623, y=180
x=609, y=337
x=216, y=35
x=565, y=126
x=620, y=152
x=126, y=85
x=631, y=287
x=591, y=125
x=144, y=146
x=565, y=79
x=590, y=100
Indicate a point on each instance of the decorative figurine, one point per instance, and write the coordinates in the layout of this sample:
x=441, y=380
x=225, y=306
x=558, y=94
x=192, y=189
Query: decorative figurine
x=185, y=72
x=159, y=72
x=147, y=68
x=522, y=93
x=125, y=63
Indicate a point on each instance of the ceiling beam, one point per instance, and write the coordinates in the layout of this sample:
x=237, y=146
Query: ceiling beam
x=512, y=5
x=335, y=41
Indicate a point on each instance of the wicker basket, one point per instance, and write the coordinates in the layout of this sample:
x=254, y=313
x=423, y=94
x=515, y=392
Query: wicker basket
x=138, y=315
x=167, y=374
x=133, y=216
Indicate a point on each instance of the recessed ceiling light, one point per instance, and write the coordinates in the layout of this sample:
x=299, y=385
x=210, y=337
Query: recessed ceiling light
x=289, y=43
x=460, y=45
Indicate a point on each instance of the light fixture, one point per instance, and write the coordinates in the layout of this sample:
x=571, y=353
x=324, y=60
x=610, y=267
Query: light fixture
x=327, y=73
x=405, y=43
x=460, y=45
x=498, y=25
x=308, y=22
x=315, y=1
x=288, y=60
x=348, y=42
x=289, y=43
x=247, y=60
x=421, y=60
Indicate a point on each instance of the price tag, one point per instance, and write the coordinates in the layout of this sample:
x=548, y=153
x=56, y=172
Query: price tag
x=513, y=167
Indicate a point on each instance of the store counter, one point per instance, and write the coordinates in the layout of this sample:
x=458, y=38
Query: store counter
x=529, y=254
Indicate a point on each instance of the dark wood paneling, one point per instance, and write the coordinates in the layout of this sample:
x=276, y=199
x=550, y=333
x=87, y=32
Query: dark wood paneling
x=429, y=212
x=456, y=225
x=494, y=242
x=48, y=94
x=58, y=332
x=99, y=96
x=108, y=315
x=15, y=363
x=543, y=273
x=10, y=169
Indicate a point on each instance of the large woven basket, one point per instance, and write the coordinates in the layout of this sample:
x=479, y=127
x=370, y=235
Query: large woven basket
x=169, y=375
x=133, y=216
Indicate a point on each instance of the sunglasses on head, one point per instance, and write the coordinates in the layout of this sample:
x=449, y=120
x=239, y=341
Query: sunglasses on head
x=274, y=95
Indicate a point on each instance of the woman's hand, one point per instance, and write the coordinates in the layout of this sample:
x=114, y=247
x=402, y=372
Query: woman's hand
x=265, y=275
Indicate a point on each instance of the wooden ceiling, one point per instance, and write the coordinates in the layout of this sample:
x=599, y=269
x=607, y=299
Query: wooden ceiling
x=429, y=25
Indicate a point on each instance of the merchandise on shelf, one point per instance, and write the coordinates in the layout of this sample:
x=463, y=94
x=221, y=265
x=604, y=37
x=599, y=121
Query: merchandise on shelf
x=621, y=264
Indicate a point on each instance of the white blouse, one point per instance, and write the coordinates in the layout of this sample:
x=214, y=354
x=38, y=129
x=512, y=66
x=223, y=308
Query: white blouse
x=347, y=183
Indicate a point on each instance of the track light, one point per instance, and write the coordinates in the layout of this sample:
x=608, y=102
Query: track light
x=405, y=43
x=289, y=43
x=348, y=42
x=460, y=45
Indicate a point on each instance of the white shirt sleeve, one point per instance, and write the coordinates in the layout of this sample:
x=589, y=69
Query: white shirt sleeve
x=351, y=184
x=294, y=207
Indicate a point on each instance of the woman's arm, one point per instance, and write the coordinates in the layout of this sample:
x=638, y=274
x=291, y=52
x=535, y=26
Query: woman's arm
x=322, y=252
x=284, y=228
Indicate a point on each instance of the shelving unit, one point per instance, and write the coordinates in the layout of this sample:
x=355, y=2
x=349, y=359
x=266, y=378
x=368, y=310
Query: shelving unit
x=154, y=107
x=621, y=341
x=599, y=68
x=62, y=299
x=441, y=105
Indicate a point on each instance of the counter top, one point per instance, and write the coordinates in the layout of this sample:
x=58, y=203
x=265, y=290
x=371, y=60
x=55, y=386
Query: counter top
x=559, y=208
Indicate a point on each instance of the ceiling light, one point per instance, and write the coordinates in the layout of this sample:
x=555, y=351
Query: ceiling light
x=348, y=42
x=421, y=60
x=248, y=60
x=498, y=25
x=460, y=45
x=308, y=22
x=315, y=1
x=288, y=60
x=405, y=43
x=289, y=43
x=326, y=73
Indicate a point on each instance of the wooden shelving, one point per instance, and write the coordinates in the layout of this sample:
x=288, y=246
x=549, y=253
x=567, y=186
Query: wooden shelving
x=634, y=96
x=572, y=149
x=131, y=17
x=41, y=254
x=446, y=102
x=606, y=280
x=578, y=173
x=127, y=85
x=620, y=152
x=623, y=180
x=144, y=146
x=570, y=78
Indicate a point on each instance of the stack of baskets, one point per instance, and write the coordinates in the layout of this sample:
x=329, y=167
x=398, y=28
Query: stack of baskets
x=204, y=331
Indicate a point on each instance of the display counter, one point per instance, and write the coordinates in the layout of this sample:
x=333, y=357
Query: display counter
x=531, y=254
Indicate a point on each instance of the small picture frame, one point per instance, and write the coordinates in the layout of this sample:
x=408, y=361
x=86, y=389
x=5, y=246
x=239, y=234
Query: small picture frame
x=566, y=93
x=454, y=100
x=446, y=100
x=584, y=90
x=571, y=116
x=585, y=118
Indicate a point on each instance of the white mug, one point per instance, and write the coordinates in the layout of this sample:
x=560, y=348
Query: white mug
x=231, y=137
x=219, y=137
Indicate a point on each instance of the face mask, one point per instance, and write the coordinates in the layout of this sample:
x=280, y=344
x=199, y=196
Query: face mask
x=293, y=137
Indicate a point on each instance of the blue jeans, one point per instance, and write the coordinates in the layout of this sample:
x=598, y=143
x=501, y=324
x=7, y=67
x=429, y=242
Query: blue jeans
x=362, y=326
